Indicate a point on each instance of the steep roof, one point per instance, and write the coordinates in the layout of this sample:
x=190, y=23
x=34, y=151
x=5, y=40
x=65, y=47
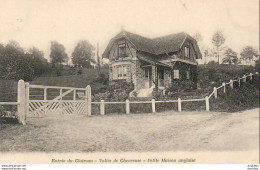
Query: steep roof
x=156, y=46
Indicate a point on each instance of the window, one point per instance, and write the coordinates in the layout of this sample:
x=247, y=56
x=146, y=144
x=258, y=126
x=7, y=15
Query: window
x=124, y=71
x=121, y=49
x=161, y=74
x=176, y=74
x=120, y=71
x=161, y=78
x=187, y=52
x=188, y=75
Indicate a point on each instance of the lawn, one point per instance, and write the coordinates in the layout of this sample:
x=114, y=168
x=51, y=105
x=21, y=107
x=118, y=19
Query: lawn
x=164, y=131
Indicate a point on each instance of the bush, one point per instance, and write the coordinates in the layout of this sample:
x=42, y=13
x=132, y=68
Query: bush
x=240, y=98
x=116, y=92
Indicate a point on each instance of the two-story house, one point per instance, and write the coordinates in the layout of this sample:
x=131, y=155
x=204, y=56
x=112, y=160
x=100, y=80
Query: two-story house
x=150, y=63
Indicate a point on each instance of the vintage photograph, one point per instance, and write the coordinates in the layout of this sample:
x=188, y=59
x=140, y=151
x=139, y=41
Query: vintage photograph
x=148, y=81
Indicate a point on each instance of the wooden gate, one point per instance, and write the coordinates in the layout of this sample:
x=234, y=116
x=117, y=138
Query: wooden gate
x=53, y=100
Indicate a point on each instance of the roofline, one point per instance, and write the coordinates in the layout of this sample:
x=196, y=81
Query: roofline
x=153, y=53
x=183, y=40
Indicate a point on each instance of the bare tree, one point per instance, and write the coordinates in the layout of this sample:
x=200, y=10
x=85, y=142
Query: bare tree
x=218, y=40
x=198, y=37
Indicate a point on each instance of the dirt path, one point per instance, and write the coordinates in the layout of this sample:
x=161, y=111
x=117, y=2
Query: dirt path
x=166, y=131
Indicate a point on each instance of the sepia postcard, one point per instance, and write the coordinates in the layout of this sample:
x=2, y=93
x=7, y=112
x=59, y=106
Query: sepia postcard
x=129, y=82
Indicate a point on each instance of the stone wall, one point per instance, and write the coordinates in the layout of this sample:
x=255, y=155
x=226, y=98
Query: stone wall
x=138, y=75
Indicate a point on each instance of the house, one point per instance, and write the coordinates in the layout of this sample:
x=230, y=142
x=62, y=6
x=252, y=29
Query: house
x=248, y=61
x=152, y=63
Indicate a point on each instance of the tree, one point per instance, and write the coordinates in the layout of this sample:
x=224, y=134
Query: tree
x=38, y=62
x=230, y=57
x=58, y=54
x=14, y=63
x=82, y=54
x=218, y=40
x=248, y=53
x=198, y=37
x=206, y=54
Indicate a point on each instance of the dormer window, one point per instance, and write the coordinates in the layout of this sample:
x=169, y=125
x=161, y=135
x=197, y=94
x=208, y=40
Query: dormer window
x=121, y=49
x=187, y=52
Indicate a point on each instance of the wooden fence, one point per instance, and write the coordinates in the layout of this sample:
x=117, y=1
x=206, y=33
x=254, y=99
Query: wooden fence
x=179, y=101
x=31, y=103
x=26, y=105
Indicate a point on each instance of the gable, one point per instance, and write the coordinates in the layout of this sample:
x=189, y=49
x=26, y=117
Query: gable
x=156, y=46
x=114, y=53
x=193, y=49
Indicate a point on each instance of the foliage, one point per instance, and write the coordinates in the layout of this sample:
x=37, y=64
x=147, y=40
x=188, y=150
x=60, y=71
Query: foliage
x=198, y=37
x=58, y=54
x=2, y=112
x=100, y=84
x=240, y=98
x=184, y=84
x=82, y=54
x=257, y=65
x=118, y=85
x=230, y=57
x=39, y=63
x=174, y=91
x=102, y=78
x=212, y=74
x=16, y=64
x=218, y=40
x=119, y=91
x=248, y=52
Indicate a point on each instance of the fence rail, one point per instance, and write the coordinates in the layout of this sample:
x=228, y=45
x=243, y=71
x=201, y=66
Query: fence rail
x=9, y=103
x=25, y=104
x=179, y=101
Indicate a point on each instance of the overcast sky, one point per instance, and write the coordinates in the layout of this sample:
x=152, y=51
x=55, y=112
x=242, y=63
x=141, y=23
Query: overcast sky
x=37, y=22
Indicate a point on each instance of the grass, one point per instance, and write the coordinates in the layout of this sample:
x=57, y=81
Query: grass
x=165, y=131
x=237, y=99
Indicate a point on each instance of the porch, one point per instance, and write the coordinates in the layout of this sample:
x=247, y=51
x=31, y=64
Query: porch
x=153, y=76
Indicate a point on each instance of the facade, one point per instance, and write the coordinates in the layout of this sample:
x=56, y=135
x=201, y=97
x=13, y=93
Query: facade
x=150, y=63
x=248, y=61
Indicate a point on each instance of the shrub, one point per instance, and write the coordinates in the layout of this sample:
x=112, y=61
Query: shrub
x=240, y=98
x=2, y=112
x=177, y=88
x=116, y=92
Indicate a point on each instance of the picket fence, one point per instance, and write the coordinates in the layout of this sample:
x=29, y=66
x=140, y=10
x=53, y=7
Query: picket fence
x=26, y=106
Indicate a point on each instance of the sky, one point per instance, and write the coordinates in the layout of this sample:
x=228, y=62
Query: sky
x=38, y=22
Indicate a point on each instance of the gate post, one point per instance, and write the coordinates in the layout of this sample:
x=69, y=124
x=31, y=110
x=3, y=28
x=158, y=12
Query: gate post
x=88, y=98
x=127, y=106
x=244, y=78
x=251, y=77
x=153, y=105
x=231, y=84
x=215, y=93
x=207, y=103
x=21, y=100
x=102, y=107
x=27, y=98
x=179, y=104
x=224, y=87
